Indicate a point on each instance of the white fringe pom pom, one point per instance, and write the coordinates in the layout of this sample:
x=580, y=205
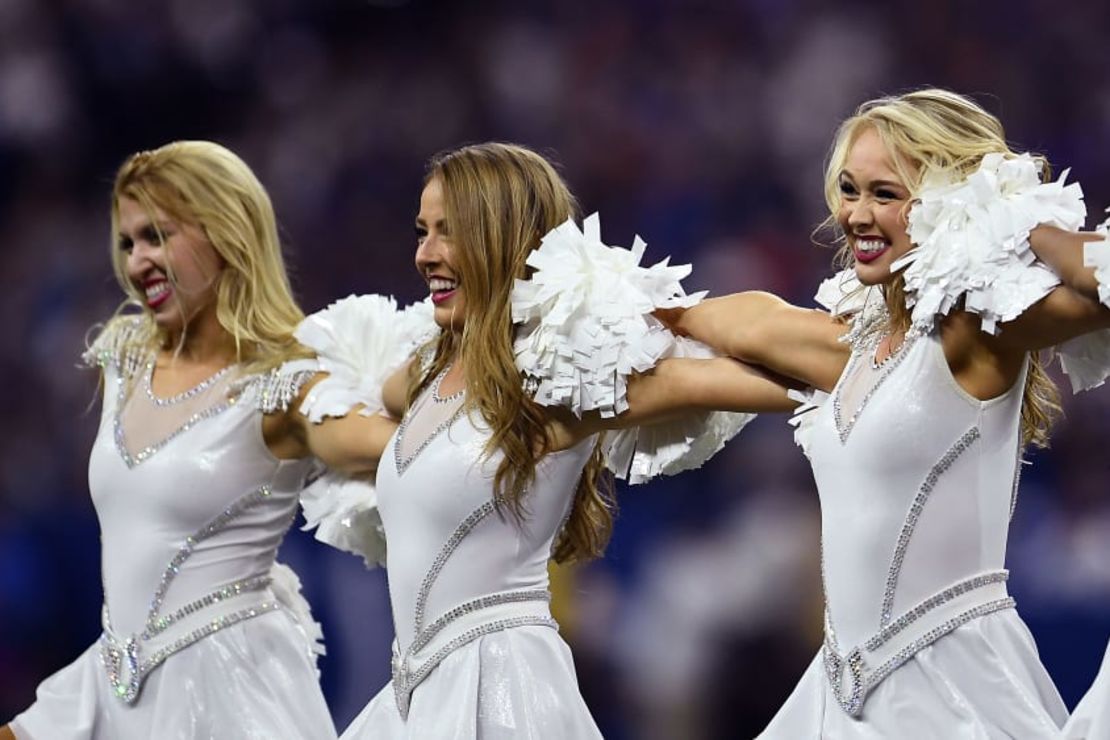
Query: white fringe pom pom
x=972, y=239
x=585, y=317
x=287, y=588
x=1097, y=255
x=359, y=341
x=639, y=454
x=344, y=512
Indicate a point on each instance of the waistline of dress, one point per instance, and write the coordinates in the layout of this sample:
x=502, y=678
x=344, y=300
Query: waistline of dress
x=128, y=659
x=458, y=627
x=854, y=674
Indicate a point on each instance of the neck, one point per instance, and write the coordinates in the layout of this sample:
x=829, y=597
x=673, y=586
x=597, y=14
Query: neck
x=203, y=341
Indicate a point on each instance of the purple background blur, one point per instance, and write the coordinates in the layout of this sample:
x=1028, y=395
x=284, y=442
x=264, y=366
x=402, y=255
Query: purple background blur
x=701, y=126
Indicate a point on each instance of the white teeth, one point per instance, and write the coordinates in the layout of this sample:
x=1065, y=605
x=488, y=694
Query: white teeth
x=440, y=284
x=157, y=290
x=870, y=245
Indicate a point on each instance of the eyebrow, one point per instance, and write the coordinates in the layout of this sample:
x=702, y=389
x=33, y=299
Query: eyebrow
x=424, y=224
x=874, y=183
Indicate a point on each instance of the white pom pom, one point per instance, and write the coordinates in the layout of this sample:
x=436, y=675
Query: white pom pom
x=287, y=589
x=802, y=420
x=359, y=341
x=585, y=317
x=842, y=294
x=641, y=453
x=972, y=239
x=344, y=512
x=1097, y=255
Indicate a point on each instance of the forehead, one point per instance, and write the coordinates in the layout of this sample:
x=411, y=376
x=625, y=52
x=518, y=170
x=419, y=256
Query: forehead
x=132, y=214
x=431, y=198
x=869, y=158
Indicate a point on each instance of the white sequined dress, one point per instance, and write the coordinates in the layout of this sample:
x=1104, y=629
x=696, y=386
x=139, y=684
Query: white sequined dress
x=204, y=636
x=917, y=482
x=477, y=654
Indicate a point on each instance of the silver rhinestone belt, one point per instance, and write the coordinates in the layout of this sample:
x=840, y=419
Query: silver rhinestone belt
x=460, y=626
x=128, y=660
x=853, y=675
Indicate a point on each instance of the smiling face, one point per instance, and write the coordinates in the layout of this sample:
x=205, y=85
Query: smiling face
x=172, y=265
x=873, y=208
x=434, y=258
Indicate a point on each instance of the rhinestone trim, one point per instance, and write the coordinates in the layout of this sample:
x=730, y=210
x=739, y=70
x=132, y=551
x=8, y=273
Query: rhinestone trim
x=460, y=533
x=121, y=441
x=436, y=398
x=403, y=463
x=148, y=388
x=843, y=428
x=274, y=390
x=851, y=698
x=482, y=602
x=405, y=682
x=962, y=444
x=113, y=653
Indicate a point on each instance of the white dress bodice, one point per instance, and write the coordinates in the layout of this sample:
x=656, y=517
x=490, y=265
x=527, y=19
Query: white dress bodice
x=917, y=481
x=460, y=566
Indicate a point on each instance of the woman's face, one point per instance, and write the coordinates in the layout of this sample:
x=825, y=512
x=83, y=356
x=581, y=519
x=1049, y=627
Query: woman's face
x=182, y=251
x=873, y=209
x=434, y=259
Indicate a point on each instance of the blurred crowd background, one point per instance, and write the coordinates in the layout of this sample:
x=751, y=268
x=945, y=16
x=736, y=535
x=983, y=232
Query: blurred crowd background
x=701, y=126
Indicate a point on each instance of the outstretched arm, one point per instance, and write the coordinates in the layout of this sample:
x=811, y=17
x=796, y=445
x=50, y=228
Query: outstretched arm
x=680, y=386
x=761, y=328
x=351, y=444
x=1062, y=250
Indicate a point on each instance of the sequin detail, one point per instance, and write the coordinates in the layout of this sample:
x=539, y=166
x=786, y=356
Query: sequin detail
x=114, y=654
x=402, y=462
x=201, y=387
x=862, y=679
x=273, y=391
x=844, y=428
x=962, y=444
x=121, y=440
x=405, y=679
x=119, y=344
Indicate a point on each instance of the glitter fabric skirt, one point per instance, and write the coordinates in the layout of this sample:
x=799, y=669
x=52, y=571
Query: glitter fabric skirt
x=982, y=681
x=512, y=684
x=251, y=681
x=1091, y=720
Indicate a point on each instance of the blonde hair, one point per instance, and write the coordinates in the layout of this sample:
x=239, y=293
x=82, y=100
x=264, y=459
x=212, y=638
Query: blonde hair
x=499, y=200
x=937, y=132
x=204, y=184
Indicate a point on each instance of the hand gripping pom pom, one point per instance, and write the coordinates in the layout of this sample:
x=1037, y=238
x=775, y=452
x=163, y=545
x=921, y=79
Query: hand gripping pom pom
x=1097, y=255
x=586, y=324
x=685, y=443
x=585, y=317
x=972, y=241
x=359, y=341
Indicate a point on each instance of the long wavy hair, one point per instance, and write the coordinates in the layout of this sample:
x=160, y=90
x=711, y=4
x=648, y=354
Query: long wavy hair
x=499, y=200
x=203, y=184
x=927, y=132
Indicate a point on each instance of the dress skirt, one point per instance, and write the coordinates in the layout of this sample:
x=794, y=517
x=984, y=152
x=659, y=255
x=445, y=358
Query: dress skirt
x=516, y=684
x=1091, y=719
x=251, y=681
x=983, y=681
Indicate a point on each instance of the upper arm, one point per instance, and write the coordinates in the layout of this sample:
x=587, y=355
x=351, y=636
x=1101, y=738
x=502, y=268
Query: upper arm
x=1061, y=315
x=351, y=444
x=761, y=328
x=1063, y=250
x=682, y=385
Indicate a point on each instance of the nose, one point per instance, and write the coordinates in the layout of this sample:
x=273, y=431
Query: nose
x=428, y=253
x=139, y=258
x=859, y=214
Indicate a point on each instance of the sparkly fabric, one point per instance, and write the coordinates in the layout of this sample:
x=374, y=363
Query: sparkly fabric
x=477, y=653
x=1091, y=719
x=916, y=481
x=189, y=531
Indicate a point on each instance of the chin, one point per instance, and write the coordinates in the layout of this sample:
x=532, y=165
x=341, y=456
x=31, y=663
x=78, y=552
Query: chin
x=872, y=274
